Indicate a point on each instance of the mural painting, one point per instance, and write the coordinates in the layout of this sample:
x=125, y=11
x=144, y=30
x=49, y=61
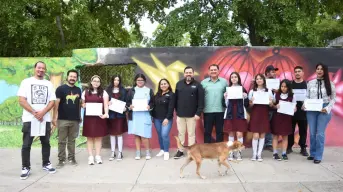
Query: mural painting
x=157, y=63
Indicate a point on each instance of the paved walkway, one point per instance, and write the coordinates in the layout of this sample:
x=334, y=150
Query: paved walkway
x=157, y=175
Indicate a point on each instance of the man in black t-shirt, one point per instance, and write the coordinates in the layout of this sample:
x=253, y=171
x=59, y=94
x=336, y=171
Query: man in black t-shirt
x=67, y=116
x=299, y=87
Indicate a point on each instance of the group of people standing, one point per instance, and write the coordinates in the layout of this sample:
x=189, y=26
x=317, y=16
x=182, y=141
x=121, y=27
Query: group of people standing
x=190, y=100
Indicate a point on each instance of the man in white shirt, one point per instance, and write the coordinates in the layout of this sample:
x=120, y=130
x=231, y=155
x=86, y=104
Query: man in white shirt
x=37, y=98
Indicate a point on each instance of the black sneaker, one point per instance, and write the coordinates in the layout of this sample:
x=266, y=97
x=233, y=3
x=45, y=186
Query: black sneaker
x=289, y=151
x=25, y=172
x=178, y=155
x=48, y=167
x=284, y=157
x=60, y=164
x=303, y=151
x=310, y=158
x=73, y=162
x=276, y=157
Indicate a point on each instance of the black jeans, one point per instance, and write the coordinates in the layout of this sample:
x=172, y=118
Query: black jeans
x=302, y=125
x=27, y=142
x=211, y=119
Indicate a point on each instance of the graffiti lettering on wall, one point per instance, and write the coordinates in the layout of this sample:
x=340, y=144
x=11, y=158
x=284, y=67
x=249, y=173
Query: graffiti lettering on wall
x=157, y=63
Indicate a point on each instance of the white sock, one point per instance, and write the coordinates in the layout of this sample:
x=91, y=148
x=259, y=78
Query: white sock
x=240, y=139
x=260, y=146
x=120, y=143
x=254, y=147
x=231, y=138
x=113, y=143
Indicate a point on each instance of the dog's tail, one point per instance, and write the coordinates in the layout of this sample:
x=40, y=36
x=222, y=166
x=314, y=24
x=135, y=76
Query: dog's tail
x=178, y=143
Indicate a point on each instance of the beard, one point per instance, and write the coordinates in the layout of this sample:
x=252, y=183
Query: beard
x=71, y=82
x=189, y=78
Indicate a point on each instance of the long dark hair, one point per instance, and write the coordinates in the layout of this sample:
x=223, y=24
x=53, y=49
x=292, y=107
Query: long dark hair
x=100, y=90
x=288, y=85
x=264, y=81
x=159, y=90
x=239, y=79
x=326, y=78
x=139, y=75
x=110, y=87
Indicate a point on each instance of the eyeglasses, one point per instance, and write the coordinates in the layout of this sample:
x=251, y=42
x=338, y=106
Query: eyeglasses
x=140, y=80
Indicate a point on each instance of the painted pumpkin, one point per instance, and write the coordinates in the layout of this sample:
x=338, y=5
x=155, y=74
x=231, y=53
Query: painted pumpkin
x=285, y=60
x=233, y=60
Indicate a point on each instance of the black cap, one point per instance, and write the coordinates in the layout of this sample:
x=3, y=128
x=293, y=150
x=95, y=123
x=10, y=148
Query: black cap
x=271, y=68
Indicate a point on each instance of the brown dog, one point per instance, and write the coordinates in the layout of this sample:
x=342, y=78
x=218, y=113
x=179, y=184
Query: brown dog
x=219, y=151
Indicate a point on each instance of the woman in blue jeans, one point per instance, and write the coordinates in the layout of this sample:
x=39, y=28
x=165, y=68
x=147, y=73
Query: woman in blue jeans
x=324, y=89
x=163, y=115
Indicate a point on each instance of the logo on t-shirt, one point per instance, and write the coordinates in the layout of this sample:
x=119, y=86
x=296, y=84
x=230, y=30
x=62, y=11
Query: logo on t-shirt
x=39, y=94
x=72, y=97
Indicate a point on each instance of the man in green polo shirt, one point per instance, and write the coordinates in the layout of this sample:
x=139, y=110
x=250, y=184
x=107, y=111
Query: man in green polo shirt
x=214, y=87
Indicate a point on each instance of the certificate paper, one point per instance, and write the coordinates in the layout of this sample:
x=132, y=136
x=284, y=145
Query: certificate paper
x=117, y=106
x=300, y=94
x=38, y=128
x=140, y=104
x=273, y=83
x=93, y=109
x=313, y=104
x=234, y=92
x=261, y=97
x=286, y=108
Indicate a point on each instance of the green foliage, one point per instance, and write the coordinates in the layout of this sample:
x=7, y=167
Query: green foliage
x=10, y=110
x=50, y=28
x=14, y=70
x=205, y=25
x=309, y=23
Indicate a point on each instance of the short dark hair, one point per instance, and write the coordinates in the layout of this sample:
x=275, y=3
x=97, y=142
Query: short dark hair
x=39, y=62
x=188, y=67
x=214, y=65
x=73, y=71
x=298, y=67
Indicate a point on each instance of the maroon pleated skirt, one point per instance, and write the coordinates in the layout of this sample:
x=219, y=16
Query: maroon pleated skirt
x=235, y=124
x=117, y=126
x=94, y=126
x=259, y=119
x=281, y=124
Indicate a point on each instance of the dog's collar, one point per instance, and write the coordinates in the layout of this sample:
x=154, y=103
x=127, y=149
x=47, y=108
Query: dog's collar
x=229, y=143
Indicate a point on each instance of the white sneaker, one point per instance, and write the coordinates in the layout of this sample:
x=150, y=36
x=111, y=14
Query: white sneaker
x=113, y=155
x=254, y=158
x=90, y=160
x=259, y=158
x=230, y=156
x=98, y=159
x=160, y=154
x=148, y=155
x=138, y=155
x=166, y=156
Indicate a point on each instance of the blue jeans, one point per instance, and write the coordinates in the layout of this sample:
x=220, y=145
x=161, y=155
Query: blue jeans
x=163, y=133
x=317, y=122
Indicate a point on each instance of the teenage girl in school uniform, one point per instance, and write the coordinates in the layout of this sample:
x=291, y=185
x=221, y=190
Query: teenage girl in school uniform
x=259, y=117
x=234, y=117
x=282, y=123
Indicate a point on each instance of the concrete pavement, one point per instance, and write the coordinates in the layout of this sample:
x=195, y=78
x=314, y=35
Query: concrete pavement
x=157, y=175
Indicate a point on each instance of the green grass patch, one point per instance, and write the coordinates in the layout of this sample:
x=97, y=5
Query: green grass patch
x=11, y=137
